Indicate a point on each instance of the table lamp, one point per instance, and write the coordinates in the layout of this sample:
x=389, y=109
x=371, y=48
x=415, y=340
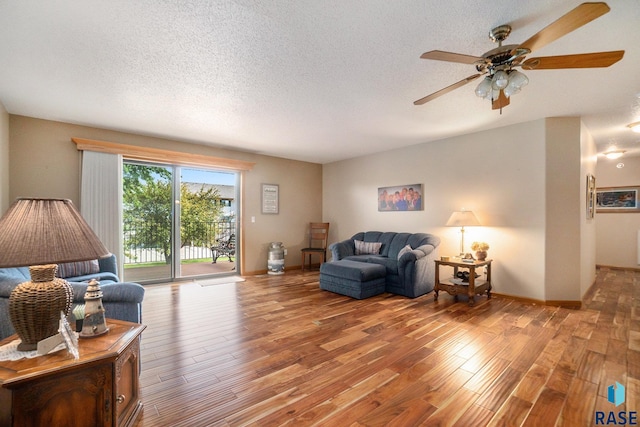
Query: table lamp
x=462, y=219
x=42, y=233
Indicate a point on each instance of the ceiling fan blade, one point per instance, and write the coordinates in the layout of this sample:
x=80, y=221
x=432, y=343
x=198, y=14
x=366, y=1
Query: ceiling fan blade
x=447, y=89
x=502, y=101
x=440, y=55
x=581, y=15
x=583, y=60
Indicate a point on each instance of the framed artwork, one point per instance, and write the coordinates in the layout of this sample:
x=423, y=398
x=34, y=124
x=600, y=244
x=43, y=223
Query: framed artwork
x=591, y=196
x=270, y=198
x=618, y=199
x=400, y=198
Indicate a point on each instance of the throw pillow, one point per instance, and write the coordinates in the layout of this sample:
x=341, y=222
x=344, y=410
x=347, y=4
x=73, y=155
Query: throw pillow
x=404, y=251
x=367, y=248
x=80, y=268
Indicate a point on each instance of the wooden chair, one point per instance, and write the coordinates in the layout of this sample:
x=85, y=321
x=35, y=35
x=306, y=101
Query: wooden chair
x=318, y=237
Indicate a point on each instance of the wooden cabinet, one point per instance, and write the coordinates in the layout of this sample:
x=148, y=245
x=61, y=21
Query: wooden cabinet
x=473, y=287
x=127, y=389
x=99, y=389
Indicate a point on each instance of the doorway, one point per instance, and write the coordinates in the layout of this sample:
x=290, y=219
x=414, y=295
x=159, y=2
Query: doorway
x=178, y=222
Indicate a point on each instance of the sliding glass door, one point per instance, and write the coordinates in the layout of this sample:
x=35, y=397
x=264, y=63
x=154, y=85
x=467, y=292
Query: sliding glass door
x=207, y=222
x=178, y=222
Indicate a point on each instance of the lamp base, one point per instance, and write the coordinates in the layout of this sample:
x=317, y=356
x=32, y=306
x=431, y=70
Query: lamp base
x=34, y=307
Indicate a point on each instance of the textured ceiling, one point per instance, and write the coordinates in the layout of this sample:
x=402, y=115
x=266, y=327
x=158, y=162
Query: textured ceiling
x=319, y=80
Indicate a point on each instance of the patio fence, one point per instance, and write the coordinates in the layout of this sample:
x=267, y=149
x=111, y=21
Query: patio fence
x=140, y=254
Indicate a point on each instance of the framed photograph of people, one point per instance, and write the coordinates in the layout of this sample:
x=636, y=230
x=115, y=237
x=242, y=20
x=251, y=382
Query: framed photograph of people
x=618, y=199
x=400, y=198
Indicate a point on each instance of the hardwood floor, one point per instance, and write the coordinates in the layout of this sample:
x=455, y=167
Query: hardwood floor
x=276, y=350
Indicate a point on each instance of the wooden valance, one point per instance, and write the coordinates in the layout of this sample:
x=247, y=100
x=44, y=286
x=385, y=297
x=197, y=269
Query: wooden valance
x=134, y=152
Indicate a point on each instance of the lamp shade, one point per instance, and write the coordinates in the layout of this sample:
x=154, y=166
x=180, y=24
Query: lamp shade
x=462, y=219
x=518, y=79
x=510, y=90
x=46, y=231
x=41, y=233
x=484, y=88
x=500, y=80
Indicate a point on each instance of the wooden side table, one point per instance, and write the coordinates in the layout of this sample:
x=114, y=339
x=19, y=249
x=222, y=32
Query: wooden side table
x=472, y=288
x=99, y=389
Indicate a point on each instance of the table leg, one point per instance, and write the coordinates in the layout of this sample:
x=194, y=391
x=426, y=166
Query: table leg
x=472, y=286
x=489, y=280
x=437, y=281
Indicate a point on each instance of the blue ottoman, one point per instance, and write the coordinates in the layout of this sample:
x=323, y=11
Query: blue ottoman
x=352, y=278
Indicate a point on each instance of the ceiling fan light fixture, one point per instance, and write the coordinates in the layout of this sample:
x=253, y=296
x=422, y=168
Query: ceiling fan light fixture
x=484, y=88
x=511, y=89
x=518, y=79
x=634, y=127
x=500, y=80
x=499, y=63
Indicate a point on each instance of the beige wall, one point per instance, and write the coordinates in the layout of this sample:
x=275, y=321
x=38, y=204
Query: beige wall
x=570, y=242
x=589, y=159
x=502, y=175
x=498, y=174
x=617, y=243
x=45, y=163
x=4, y=159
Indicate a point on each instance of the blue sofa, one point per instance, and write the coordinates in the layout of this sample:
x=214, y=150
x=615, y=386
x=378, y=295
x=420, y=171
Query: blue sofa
x=407, y=258
x=121, y=300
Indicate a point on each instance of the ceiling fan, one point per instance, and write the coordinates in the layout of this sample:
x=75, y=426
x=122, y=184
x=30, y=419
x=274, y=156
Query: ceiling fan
x=502, y=80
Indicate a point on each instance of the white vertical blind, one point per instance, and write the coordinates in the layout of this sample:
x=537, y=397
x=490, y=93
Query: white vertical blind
x=101, y=199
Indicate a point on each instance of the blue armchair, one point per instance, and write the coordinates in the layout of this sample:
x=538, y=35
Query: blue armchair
x=121, y=300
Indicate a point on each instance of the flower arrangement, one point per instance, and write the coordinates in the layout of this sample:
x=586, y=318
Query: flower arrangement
x=479, y=246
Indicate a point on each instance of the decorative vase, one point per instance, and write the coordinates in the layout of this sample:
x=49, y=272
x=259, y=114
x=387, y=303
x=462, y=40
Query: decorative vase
x=481, y=255
x=35, y=306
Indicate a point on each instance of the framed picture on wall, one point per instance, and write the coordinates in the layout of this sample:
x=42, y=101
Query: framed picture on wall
x=270, y=198
x=618, y=199
x=591, y=196
x=400, y=198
